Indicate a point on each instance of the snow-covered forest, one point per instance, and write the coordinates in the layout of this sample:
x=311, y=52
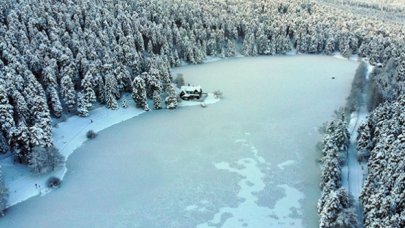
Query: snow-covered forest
x=60, y=58
x=391, y=6
x=381, y=141
x=335, y=206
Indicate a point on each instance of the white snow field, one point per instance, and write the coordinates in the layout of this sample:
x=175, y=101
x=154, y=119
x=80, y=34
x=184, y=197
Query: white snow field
x=247, y=161
x=68, y=136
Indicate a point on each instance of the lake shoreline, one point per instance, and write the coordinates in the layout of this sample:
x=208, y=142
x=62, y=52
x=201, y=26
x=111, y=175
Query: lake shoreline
x=226, y=94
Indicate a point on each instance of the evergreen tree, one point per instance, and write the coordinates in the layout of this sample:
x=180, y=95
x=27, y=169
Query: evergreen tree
x=20, y=141
x=54, y=101
x=157, y=102
x=230, y=48
x=110, y=91
x=43, y=160
x=88, y=92
x=20, y=106
x=82, y=109
x=68, y=92
x=248, y=46
x=330, y=46
x=262, y=42
x=337, y=211
x=212, y=46
x=6, y=112
x=171, y=98
x=139, y=93
x=123, y=78
x=99, y=88
x=41, y=131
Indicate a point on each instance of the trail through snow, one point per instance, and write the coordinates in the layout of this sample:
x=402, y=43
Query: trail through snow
x=353, y=172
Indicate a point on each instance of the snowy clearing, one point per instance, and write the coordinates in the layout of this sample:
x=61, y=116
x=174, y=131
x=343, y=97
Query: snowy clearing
x=67, y=137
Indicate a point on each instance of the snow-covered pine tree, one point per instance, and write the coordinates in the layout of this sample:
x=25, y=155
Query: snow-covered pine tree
x=99, y=88
x=44, y=159
x=111, y=101
x=344, y=47
x=6, y=112
x=373, y=51
x=157, y=101
x=51, y=86
x=139, y=93
x=364, y=48
x=330, y=205
x=330, y=45
x=68, y=92
x=174, y=58
x=20, y=106
x=262, y=42
x=364, y=143
x=88, y=92
x=41, y=130
x=248, y=46
x=123, y=78
x=82, y=109
x=109, y=89
x=20, y=141
x=331, y=171
x=198, y=55
x=337, y=211
x=54, y=101
x=171, y=98
x=313, y=44
x=153, y=82
x=230, y=48
x=49, y=74
x=354, y=43
x=212, y=45
x=112, y=81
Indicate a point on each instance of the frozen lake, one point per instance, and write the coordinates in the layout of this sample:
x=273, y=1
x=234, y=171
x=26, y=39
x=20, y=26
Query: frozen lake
x=247, y=161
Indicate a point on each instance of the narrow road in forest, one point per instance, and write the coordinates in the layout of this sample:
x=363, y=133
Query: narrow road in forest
x=352, y=171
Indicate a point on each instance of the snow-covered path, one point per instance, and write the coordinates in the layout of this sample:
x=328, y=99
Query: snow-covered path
x=354, y=177
x=353, y=172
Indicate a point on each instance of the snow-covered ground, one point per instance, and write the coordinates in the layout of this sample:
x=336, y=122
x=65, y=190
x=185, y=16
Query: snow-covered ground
x=353, y=172
x=68, y=136
x=248, y=160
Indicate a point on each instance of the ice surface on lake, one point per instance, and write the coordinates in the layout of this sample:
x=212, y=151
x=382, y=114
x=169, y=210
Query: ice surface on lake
x=286, y=163
x=248, y=212
x=227, y=165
